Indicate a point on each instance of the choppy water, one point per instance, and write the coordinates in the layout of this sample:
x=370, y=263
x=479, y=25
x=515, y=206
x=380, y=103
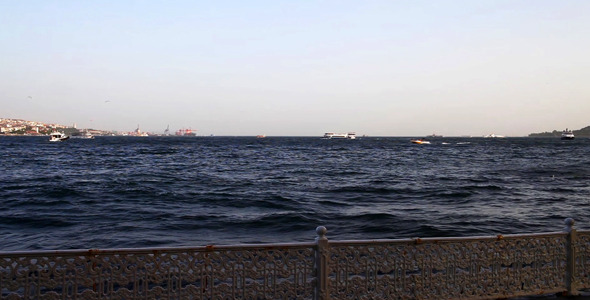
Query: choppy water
x=114, y=192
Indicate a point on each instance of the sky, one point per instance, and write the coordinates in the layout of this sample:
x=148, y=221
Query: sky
x=298, y=68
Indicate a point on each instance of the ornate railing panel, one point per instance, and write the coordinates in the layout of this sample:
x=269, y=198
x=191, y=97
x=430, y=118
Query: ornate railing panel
x=430, y=268
x=448, y=268
x=231, y=272
x=582, y=259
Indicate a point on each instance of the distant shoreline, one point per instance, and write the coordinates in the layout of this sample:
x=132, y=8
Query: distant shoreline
x=301, y=136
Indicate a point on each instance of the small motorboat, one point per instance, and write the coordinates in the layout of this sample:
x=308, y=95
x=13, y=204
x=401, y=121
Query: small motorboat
x=420, y=142
x=567, y=135
x=57, y=136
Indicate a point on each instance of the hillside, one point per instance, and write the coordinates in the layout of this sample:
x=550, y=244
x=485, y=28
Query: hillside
x=584, y=132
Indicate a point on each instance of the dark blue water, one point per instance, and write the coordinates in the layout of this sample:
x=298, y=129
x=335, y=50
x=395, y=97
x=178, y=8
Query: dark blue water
x=114, y=192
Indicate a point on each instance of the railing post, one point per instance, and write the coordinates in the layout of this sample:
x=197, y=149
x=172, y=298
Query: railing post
x=570, y=272
x=322, y=256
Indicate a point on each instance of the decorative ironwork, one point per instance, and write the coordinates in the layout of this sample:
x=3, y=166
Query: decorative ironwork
x=245, y=272
x=582, y=259
x=429, y=268
x=451, y=268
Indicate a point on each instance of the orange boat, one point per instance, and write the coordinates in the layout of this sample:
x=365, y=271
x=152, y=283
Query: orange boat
x=420, y=141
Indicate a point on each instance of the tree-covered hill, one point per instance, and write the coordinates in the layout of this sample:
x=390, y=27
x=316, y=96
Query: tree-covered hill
x=584, y=132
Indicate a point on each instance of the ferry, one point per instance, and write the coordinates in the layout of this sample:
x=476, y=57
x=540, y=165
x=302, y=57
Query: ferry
x=57, y=136
x=567, y=135
x=332, y=135
x=84, y=135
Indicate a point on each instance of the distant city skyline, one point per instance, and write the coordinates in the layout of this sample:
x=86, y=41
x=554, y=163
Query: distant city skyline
x=380, y=68
x=32, y=127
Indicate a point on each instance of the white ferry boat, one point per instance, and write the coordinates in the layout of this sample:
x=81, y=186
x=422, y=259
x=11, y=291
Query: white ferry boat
x=332, y=135
x=567, y=135
x=57, y=136
x=83, y=135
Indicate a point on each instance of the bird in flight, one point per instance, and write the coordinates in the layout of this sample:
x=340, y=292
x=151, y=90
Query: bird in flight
x=107, y=101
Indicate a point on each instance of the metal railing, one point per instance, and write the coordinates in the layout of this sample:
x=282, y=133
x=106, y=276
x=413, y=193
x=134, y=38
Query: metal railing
x=429, y=268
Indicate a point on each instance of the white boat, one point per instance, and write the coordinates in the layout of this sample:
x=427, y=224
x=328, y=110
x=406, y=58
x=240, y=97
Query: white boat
x=420, y=142
x=567, y=135
x=57, y=136
x=332, y=135
x=84, y=135
x=491, y=135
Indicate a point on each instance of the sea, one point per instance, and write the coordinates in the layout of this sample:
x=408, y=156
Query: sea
x=124, y=192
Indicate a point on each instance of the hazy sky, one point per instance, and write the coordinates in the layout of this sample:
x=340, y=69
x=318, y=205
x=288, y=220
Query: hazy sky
x=381, y=68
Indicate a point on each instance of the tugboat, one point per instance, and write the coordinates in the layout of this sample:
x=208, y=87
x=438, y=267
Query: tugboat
x=567, y=135
x=57, y=136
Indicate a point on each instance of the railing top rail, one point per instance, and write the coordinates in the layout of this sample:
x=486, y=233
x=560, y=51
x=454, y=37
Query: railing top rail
x=171, y=250
x=435, y=240
x=156, y=250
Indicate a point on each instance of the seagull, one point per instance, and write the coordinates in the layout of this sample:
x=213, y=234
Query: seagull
x=107, y=101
